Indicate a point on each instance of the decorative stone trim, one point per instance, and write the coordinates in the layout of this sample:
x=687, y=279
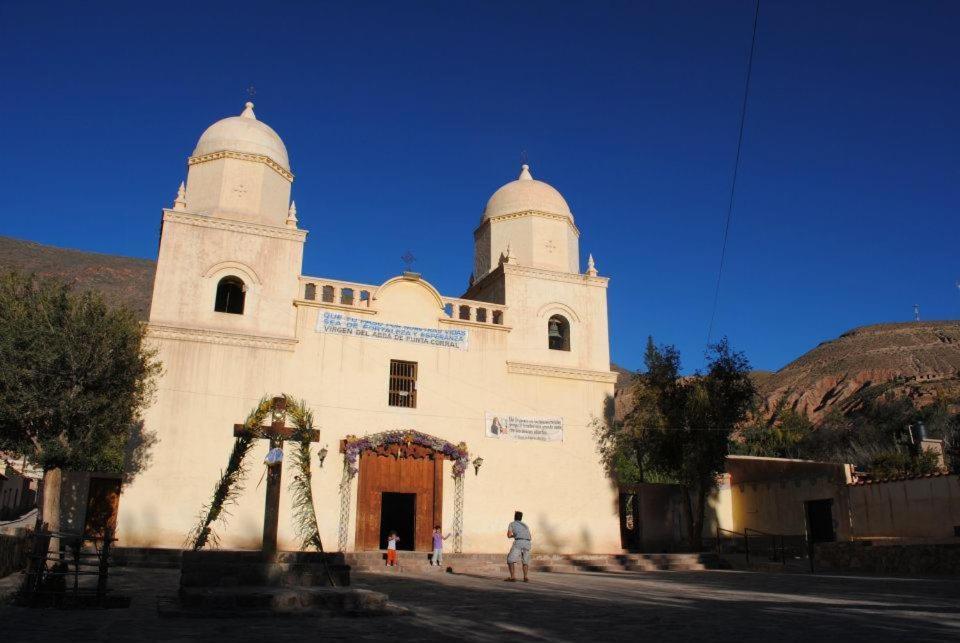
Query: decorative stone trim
x=363, y=310
x=553, y=275
x=207, y=221
x=256, y=158
x=474, y=324
x=204, y=336
x=565, y=372
x=529, y=213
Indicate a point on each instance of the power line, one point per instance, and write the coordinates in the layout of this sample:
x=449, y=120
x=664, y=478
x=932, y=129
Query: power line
x=736, y=169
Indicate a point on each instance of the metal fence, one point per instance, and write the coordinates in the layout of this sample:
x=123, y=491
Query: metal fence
x=65, y=569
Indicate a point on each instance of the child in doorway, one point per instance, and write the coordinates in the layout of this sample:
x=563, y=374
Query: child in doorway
x=392, y=541
x=438, y=539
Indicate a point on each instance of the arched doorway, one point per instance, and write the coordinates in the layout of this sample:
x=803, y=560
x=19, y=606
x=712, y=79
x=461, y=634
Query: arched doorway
x=400, y=486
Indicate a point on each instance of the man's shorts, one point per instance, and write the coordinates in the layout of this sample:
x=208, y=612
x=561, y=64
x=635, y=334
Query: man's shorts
x=519, y=552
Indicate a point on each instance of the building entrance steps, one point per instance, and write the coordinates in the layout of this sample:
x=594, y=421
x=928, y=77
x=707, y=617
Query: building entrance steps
x=492, y=563
x=562, y=563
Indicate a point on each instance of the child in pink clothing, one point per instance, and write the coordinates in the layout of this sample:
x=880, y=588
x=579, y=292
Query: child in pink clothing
x=438, y=539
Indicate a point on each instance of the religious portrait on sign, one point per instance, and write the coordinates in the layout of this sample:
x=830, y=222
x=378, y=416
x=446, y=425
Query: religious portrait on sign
x=501, y=426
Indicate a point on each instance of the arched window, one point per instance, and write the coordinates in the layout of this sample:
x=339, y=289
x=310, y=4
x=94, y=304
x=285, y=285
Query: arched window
x=498, y=317
x=346, y=296
x=310, y=292
x=558, y=333
x=230, y=295
x=327, y=294
x=364, y=297
x=464, y=312
x=481, y=314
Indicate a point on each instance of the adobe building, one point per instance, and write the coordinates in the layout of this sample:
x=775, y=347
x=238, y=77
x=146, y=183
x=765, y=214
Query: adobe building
x=514, y=370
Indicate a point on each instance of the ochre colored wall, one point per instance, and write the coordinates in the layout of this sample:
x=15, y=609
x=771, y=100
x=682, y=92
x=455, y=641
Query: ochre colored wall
x=924, y=508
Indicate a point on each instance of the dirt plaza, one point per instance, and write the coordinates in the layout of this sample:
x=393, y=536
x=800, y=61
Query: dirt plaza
x=662, y=606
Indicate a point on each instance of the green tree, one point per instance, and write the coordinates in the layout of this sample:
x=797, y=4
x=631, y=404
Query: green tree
x=623, y=443
x=74, y=377
x=699, y=414
x=785, y=434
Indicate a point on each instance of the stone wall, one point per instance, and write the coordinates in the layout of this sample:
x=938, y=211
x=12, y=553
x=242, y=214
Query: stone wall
x=13, y=554
x=864, y=556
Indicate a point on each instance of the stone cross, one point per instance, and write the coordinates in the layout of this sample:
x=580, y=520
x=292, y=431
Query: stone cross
x=276, y=432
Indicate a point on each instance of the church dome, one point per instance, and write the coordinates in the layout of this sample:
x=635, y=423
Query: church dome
x=245, y=134
x=524, y=194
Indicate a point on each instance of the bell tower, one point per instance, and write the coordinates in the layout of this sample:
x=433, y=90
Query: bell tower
x=527, y=257
x=240, y=170
x=230, y=249
x=531, y=222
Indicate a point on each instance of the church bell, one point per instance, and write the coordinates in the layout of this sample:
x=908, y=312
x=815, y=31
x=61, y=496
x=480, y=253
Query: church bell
x=553, y=330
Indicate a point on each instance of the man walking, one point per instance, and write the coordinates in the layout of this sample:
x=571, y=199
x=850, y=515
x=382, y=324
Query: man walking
x=520, y=551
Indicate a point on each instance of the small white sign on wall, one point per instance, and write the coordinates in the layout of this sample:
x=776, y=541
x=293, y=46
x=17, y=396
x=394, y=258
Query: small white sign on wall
x=502, y=426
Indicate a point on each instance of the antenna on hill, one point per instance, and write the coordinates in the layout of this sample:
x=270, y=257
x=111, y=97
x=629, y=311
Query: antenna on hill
x=916, y=312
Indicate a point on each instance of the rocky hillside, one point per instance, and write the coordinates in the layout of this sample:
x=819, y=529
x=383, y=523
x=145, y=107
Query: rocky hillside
x=919, y=360
x=120, y=279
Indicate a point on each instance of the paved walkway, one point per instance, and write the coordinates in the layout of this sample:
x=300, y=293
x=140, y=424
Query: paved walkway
x=651, y=606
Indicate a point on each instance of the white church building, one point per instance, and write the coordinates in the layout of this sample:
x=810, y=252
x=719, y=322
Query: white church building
x=517, y=369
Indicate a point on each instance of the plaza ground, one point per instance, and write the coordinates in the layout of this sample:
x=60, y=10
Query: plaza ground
x=661, y=606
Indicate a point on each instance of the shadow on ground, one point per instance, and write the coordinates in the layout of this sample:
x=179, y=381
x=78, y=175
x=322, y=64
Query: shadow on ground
x=662, y=606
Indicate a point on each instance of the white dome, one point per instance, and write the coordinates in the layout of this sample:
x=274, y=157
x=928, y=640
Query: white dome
x=243, y=134
x=526, y=193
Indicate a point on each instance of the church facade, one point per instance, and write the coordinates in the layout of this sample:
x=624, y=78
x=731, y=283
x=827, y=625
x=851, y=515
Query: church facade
x=431, y=409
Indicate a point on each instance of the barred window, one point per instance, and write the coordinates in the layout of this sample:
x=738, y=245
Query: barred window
x=403, y=384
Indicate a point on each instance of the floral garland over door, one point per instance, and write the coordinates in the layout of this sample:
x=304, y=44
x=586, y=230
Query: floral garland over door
x=352, y=448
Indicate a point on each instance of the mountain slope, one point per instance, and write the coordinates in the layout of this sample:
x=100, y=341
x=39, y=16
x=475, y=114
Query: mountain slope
x=122, y=280
x=919, y=360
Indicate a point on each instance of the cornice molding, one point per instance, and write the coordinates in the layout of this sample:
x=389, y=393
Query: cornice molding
x=564, y=372
x=208, y=221
x=313, y=303
x=474, y=324
x=205, y=336
x=528, y=213
x=553, y=275
x=241, y=156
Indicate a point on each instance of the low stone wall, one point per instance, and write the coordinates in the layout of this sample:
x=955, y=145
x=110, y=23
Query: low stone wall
x=13, y=554
x=914, y=559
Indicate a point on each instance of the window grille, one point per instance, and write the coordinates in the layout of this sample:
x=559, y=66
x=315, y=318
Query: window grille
x=403, y=384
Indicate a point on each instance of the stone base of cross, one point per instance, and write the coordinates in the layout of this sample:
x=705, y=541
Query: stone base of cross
x=277, y=431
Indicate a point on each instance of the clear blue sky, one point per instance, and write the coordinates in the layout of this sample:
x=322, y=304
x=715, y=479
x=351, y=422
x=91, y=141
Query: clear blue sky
x=402, y=118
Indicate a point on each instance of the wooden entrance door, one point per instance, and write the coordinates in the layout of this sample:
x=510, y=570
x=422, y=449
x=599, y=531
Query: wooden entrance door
x=418, y=471
x=103, y=502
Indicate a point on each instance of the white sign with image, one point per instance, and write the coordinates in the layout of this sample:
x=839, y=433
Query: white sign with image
x=513, y=427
